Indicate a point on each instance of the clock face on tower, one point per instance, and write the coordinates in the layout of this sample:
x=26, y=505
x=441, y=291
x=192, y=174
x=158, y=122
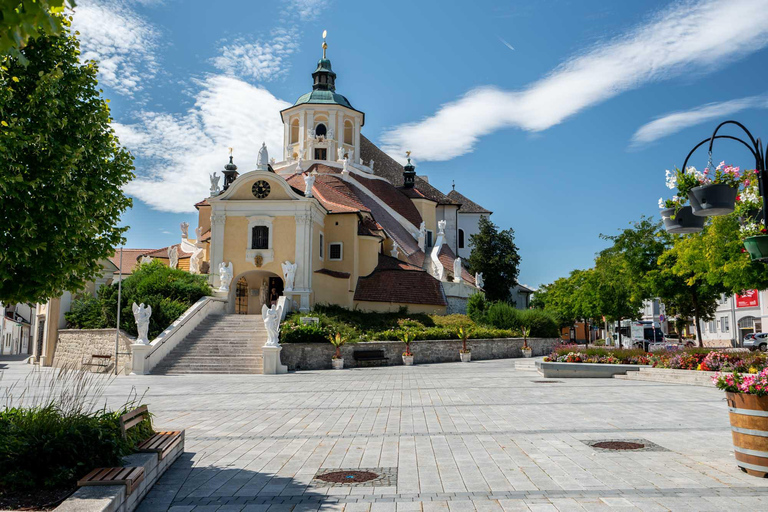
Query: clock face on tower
x=260, y=189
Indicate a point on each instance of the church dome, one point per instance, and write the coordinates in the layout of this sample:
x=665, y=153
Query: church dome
x=324, y=97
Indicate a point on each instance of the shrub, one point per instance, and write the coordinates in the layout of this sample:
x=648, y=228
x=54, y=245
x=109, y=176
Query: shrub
x=502, y=316
x=308, y=333
x=541, y=322
x=599, y=343
x=454, y=320
x=477, y=307
x=86, y=313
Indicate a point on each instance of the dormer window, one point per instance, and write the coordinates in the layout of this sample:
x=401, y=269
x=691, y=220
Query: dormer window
x=321, y=130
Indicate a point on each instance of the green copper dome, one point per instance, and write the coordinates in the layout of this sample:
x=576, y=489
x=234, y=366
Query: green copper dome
x=324, y=97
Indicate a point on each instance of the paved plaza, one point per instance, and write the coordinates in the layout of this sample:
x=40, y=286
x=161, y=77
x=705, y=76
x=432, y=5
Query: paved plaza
x=484, y=436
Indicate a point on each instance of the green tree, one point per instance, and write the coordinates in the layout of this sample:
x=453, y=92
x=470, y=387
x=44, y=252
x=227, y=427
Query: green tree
x=62, y=170
x=494, y=253
x=22, y=20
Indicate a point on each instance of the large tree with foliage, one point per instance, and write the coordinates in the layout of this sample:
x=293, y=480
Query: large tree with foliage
x=61, y=172
x=22, y=20
x=494, y=253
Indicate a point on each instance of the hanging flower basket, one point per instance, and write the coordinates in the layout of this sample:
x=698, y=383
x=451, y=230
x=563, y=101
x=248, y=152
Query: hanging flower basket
x=684, y=221
x=757, y=247
x=713, y=199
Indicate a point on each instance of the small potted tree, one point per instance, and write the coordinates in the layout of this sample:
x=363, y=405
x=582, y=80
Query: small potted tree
x=407, y=338
x=338, y=340
x=527, y=351
x=465, y=353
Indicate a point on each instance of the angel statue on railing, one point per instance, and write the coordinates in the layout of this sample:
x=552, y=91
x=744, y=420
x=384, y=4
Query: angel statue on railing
x=225, y=276
x=215, y=184
x=271, y=317
x=141, y=314
x=184, y=229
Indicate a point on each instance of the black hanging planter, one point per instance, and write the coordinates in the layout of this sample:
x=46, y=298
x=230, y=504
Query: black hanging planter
x=684, y=221
x=715, y=199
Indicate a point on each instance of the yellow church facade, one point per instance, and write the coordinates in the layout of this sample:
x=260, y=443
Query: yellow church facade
x=335, y=221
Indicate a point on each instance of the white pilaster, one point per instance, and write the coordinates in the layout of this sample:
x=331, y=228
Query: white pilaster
x=218, y=221
x=356, y=159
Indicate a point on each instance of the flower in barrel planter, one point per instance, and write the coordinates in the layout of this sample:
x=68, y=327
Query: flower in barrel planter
x=747, y=396
x=338, y=340
x=677, y=216
x=407, y=337
x=712, y=192
x=527, y=351
x=465, y=353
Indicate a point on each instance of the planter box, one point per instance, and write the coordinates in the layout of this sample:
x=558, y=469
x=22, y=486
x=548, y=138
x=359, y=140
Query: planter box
x=709, y=200
x=749, y=426
x=757, y=247
x=337, y=364
x=465, y=356
x=585, y=370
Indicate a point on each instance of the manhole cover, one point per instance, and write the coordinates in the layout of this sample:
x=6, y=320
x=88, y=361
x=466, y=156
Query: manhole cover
x=348, y=477
x=547, y=381
x=618, y=445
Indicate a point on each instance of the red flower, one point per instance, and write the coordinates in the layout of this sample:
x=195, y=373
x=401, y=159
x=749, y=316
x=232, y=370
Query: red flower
x=764, y=230
x=743, y=250
x=738, y=198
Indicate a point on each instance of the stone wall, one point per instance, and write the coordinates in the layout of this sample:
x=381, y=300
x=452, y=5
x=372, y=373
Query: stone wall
x=75, y=345
x=317, y=356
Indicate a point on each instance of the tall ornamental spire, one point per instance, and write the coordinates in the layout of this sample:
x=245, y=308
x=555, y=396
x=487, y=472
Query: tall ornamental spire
x=325, y=78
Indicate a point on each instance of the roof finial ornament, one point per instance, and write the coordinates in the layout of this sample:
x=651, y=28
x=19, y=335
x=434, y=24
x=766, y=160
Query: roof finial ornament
x=325, y=45
x=453, y=184
x=408, y=156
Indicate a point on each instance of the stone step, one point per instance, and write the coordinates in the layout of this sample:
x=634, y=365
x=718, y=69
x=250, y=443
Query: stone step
x=689, y=377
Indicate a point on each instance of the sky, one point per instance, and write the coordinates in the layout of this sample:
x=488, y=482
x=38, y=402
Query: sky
x=560, y=116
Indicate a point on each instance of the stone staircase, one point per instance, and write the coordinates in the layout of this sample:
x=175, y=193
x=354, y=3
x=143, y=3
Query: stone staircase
x=689, y=377
x=220, y=344
x=526, y=364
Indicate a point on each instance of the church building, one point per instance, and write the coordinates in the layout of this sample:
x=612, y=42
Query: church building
x=335, y=221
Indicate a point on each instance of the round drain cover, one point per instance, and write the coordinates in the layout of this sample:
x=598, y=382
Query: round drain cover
x=618, y=445
x=348, y=477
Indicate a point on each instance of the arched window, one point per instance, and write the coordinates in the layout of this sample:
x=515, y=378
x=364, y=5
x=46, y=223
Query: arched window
x=320, y=130
x=348, y=129
x=461, y=238
x=294, y=131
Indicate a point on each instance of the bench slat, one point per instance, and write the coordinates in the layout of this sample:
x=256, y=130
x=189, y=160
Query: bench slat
x=132, y=423
x=136, y=412
x=131, y=477
x=162, y=442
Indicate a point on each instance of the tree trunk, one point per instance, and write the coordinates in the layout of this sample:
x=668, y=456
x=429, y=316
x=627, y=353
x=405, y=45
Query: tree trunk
x=619, y=338
x=695, y=301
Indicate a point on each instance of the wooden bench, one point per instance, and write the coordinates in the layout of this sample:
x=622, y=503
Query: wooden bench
x=160, y=442
x=369, y=355
x=97, y=360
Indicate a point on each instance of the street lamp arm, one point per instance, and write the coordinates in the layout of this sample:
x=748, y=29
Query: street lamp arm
x=756, y=144
x=710, y=140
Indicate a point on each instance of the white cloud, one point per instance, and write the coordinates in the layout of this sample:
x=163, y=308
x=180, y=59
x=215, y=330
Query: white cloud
x=687, y=35
x=260, y=60
x=677, y=121
x=182, y=150
x=122, y=42
x=306, y=10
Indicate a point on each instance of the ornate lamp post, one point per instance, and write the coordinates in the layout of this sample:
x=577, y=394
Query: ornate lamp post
x=711, y=208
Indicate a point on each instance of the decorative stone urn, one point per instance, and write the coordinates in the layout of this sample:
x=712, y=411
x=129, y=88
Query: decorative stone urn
x=337, y=364
x=527, y=351
x=408, y=360
x=465, y=356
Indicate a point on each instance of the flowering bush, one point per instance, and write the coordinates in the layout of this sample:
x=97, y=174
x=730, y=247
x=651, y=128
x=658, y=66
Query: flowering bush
x=716, y=361
x=751, y=383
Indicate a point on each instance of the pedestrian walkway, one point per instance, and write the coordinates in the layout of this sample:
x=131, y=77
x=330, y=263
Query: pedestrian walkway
x=446, y=437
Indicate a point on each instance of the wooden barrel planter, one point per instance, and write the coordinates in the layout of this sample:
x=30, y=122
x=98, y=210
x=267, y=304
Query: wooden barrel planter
x=749, y=427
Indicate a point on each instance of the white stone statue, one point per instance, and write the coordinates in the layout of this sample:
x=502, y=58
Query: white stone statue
x=184, y=229
x=289, y=274
x=173, y=256
x=215, y=184
x=226, y=273
x=272, y=161
x=141, y=314
x=309, y=182
x=421, y=235
x=271, y=317
x=370, y=164
x=331, y=133
x=264, y=292
x=312, y=133
x=340, y=153
x=145, y=259
x=361, y=161
x=479, y=280
x=345, y=170
x=457, y=270
x=262, y=163
x=197, y=250
x=288, y=153
x=441, y=227
x=394, y=250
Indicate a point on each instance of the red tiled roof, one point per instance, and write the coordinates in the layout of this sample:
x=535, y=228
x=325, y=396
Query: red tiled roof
x=401, y=283
x=333, y=273
x=130, y=259
x=393, y=198
x=467, y=205
x=204, y=202
x=163, y=253
x=447, y=258
x=369, y=227
x=333, y=193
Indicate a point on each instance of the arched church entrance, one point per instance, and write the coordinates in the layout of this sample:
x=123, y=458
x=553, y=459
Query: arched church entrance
x=253, y=289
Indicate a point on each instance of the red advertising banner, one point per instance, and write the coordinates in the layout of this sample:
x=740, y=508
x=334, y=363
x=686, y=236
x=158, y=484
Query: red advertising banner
x=748, y=300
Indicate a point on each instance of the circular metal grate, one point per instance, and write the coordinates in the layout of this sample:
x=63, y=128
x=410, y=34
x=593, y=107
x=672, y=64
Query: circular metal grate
x=348, y=477
x=618, y=445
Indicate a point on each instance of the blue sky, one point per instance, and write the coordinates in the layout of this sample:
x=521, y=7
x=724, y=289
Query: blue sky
x=565, y=135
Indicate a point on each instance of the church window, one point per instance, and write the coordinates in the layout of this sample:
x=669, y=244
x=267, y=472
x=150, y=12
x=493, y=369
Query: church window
x=321, y=130
x=322, y=246
x=335, y=251
x=321, y=153
x=348, y=132
x=461, y=239
x=294, y=131
x=260, y=237
x=429, y=238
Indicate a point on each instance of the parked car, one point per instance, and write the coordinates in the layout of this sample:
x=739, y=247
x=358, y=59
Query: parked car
x=758, y=340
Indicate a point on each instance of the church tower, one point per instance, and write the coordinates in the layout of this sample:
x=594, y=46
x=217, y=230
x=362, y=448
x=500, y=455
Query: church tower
x=322, y=125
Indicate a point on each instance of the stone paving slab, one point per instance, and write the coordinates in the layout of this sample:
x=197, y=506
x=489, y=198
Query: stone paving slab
x=481, y=436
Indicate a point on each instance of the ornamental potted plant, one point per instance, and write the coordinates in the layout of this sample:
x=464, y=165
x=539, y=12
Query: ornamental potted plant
x=747, y=396
x=712, y=192
x=752, y=231
x=407, y=337
x=338, y=340
x=679, y=219
x=527, y=351
x=465, y=354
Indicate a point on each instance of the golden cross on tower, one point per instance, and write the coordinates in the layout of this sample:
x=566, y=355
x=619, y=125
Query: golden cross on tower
x=325, y=45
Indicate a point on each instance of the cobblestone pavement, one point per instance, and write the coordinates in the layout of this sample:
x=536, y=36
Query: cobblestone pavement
x=455, y=437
